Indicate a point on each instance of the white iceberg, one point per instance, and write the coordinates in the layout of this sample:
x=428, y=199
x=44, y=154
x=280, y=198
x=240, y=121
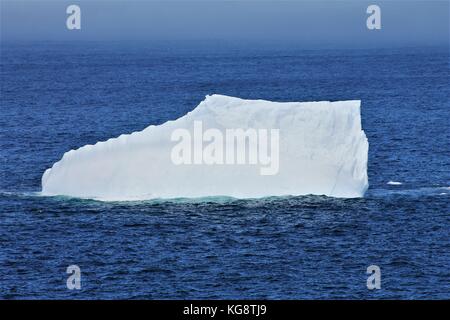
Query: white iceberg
x=321, y=150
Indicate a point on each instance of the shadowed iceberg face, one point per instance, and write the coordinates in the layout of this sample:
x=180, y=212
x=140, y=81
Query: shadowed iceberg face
x=225, y=147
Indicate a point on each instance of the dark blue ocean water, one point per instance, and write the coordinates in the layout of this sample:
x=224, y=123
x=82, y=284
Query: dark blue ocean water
x=56, y=97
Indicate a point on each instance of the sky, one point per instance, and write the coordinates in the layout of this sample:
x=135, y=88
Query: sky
x=298, y=23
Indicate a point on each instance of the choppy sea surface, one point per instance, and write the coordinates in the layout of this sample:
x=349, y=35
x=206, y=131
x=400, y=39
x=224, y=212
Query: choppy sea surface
x=59, y=96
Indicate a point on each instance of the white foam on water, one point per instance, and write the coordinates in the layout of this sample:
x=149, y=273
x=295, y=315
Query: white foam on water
x=394, y=183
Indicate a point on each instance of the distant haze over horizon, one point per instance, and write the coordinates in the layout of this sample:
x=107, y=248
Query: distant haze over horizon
x=306, y=24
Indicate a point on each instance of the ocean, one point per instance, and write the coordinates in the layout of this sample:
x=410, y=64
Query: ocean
x=58, y=96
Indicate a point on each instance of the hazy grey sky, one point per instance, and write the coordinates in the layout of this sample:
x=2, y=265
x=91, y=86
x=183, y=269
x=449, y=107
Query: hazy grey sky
x=305, y=23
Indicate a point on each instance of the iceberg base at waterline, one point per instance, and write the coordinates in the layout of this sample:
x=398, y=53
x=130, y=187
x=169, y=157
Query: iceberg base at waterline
x=288, y=148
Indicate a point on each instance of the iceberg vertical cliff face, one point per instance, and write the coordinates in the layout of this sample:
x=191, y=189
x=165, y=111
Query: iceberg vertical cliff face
x=301, y=148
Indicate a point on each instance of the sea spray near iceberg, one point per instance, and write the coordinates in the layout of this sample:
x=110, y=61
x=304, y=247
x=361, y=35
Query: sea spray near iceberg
x=322, y=151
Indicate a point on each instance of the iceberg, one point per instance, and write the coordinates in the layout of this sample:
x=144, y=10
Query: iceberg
x=285, y=148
